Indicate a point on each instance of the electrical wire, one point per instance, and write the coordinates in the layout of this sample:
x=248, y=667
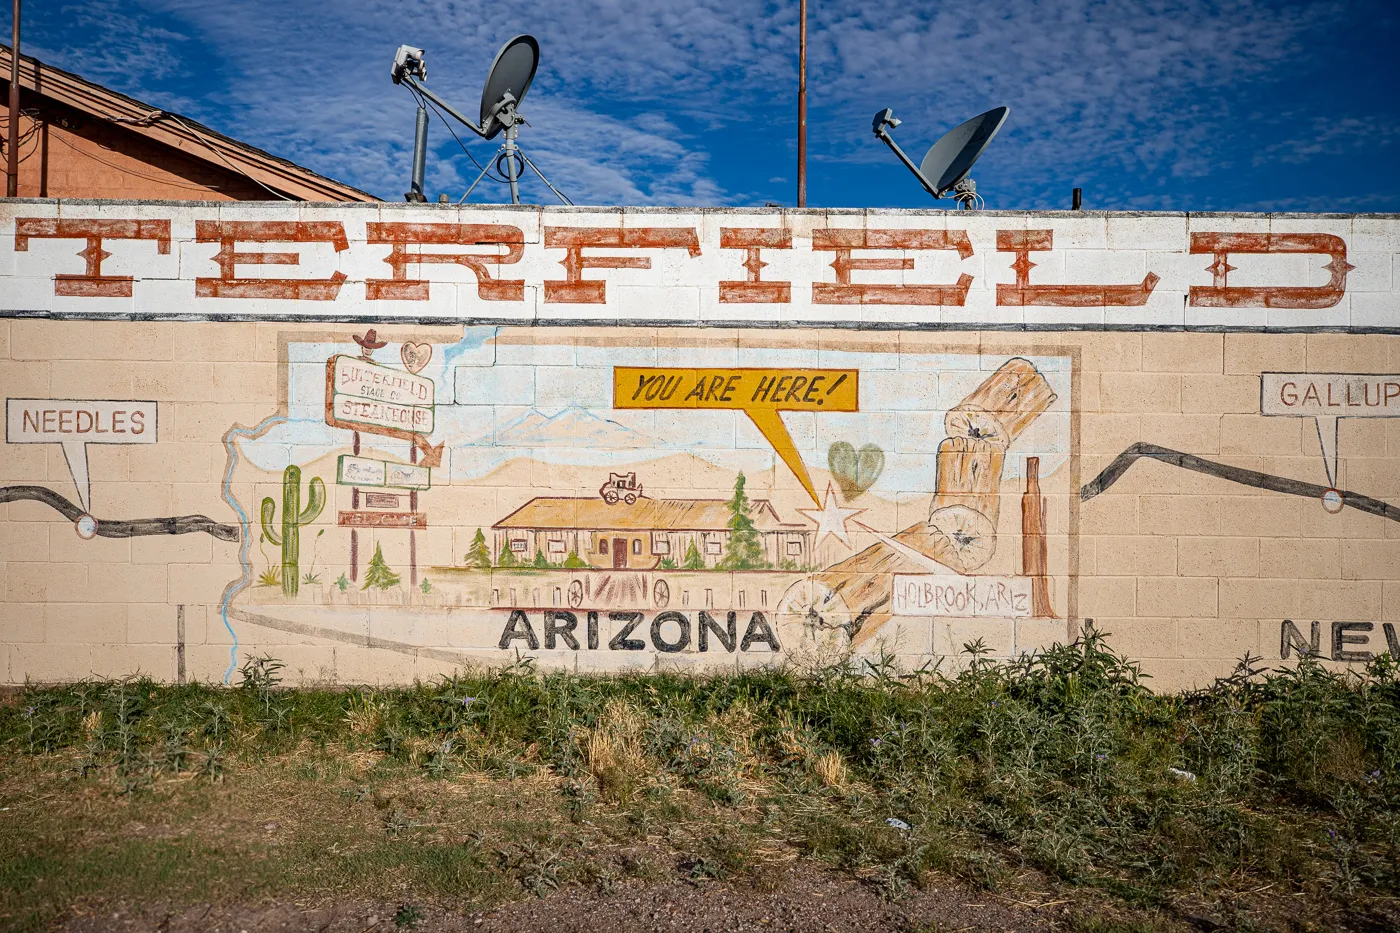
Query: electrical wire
x=149, y=119
x=216, y=152
x=20, y=141
x=485, y=172
x=35, y=127
x=122, y=168
x=447, y=123
x=422, y=100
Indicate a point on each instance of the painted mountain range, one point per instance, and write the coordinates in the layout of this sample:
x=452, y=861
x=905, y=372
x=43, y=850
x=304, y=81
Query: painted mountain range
x=569, y=427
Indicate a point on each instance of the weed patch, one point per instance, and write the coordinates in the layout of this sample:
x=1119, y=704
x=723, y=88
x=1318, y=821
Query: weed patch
x=511, y=782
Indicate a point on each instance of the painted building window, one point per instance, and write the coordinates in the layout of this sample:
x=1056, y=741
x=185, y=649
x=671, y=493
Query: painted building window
x=602, y=545
x=636, y=545
x=660, y=546
x=743, y=599
x=713, y=547
x=556, y=546
x=794, y=548
x=519, y=545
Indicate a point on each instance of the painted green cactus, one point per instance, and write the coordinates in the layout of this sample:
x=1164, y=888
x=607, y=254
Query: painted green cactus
x=293, y=517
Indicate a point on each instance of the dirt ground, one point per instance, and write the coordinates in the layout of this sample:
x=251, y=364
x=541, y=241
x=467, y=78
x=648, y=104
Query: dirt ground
x=808, y=899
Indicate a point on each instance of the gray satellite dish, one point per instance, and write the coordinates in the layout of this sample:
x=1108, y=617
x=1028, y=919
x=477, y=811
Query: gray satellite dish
x=506, y=84
x=945, y=167
x=510, y=75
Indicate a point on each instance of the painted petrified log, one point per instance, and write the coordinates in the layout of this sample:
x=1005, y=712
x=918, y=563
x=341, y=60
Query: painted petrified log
x=966, y=502
x=1003, y=406
x=960, y=532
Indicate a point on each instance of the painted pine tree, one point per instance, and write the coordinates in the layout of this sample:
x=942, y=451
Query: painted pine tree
x=378, y=574
x=693, y=560
x=507, y=557
x=744, y=551
x=479, y=555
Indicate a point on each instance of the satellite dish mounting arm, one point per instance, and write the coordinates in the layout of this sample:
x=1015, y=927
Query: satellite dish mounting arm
x=448, y=108
x=885, y=121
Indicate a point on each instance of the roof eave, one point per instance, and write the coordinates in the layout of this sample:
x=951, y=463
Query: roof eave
x=185, y=135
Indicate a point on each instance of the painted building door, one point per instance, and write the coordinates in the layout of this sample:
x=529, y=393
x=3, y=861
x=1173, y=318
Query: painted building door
x=619, y=552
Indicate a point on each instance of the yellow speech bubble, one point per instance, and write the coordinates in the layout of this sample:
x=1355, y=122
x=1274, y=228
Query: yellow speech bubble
x=760, y=393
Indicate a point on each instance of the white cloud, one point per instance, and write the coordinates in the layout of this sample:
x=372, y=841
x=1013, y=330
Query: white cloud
x=653, y=102
x=1329, y=136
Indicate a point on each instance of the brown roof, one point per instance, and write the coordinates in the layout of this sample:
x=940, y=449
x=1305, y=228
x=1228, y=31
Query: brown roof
x=567, y=512
x=193, y=139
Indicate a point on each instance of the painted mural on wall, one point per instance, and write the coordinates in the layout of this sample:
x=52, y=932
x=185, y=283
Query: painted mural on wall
x=561, y=492
x=564, y=473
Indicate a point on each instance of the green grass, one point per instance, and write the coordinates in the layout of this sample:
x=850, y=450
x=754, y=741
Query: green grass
x=490, y=785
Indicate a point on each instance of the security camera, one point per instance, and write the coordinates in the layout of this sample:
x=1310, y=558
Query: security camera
x=408, y=63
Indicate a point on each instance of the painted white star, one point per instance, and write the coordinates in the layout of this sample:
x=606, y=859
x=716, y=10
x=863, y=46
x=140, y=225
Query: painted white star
x=831, y=518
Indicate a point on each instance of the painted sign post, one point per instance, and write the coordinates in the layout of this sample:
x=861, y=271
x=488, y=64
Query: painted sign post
x=365, y=471
x=362, y=395
x=365, y=396
x=76, y=423
x=1327, y=398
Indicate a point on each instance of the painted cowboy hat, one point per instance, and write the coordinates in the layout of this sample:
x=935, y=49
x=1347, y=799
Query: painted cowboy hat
x=370, y=341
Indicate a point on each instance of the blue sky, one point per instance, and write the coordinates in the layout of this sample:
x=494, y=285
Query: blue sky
x=1146, y=104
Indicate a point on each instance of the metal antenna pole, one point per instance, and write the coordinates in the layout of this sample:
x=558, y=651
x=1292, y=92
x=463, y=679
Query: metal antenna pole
x=509, y=147
x=420, y=155
x=12, y=143
x=801, y=105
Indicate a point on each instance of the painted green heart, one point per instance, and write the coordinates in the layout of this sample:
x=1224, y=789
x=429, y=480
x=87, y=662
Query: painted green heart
x=855, y=471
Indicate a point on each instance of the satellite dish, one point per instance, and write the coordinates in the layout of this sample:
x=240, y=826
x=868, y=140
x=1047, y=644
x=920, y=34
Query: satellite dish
x=511, y=74
x=506, y=84
x=948, y=161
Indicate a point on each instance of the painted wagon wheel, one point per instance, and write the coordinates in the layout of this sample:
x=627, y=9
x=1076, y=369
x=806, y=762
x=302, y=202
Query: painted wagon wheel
x=661, y=594
x=575, y=594
x=811, y=613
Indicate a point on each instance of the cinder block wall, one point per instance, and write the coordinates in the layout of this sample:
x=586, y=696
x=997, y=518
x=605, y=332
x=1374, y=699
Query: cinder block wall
x=1213, y=544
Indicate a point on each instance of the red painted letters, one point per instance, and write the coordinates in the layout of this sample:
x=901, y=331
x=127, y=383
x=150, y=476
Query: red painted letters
x=229, y=233
x=846, y=292
x=406, y=235
x=1220, y=294
x=754, y=289
x=92, y=283
x=573, y=288
x=1023, y=242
